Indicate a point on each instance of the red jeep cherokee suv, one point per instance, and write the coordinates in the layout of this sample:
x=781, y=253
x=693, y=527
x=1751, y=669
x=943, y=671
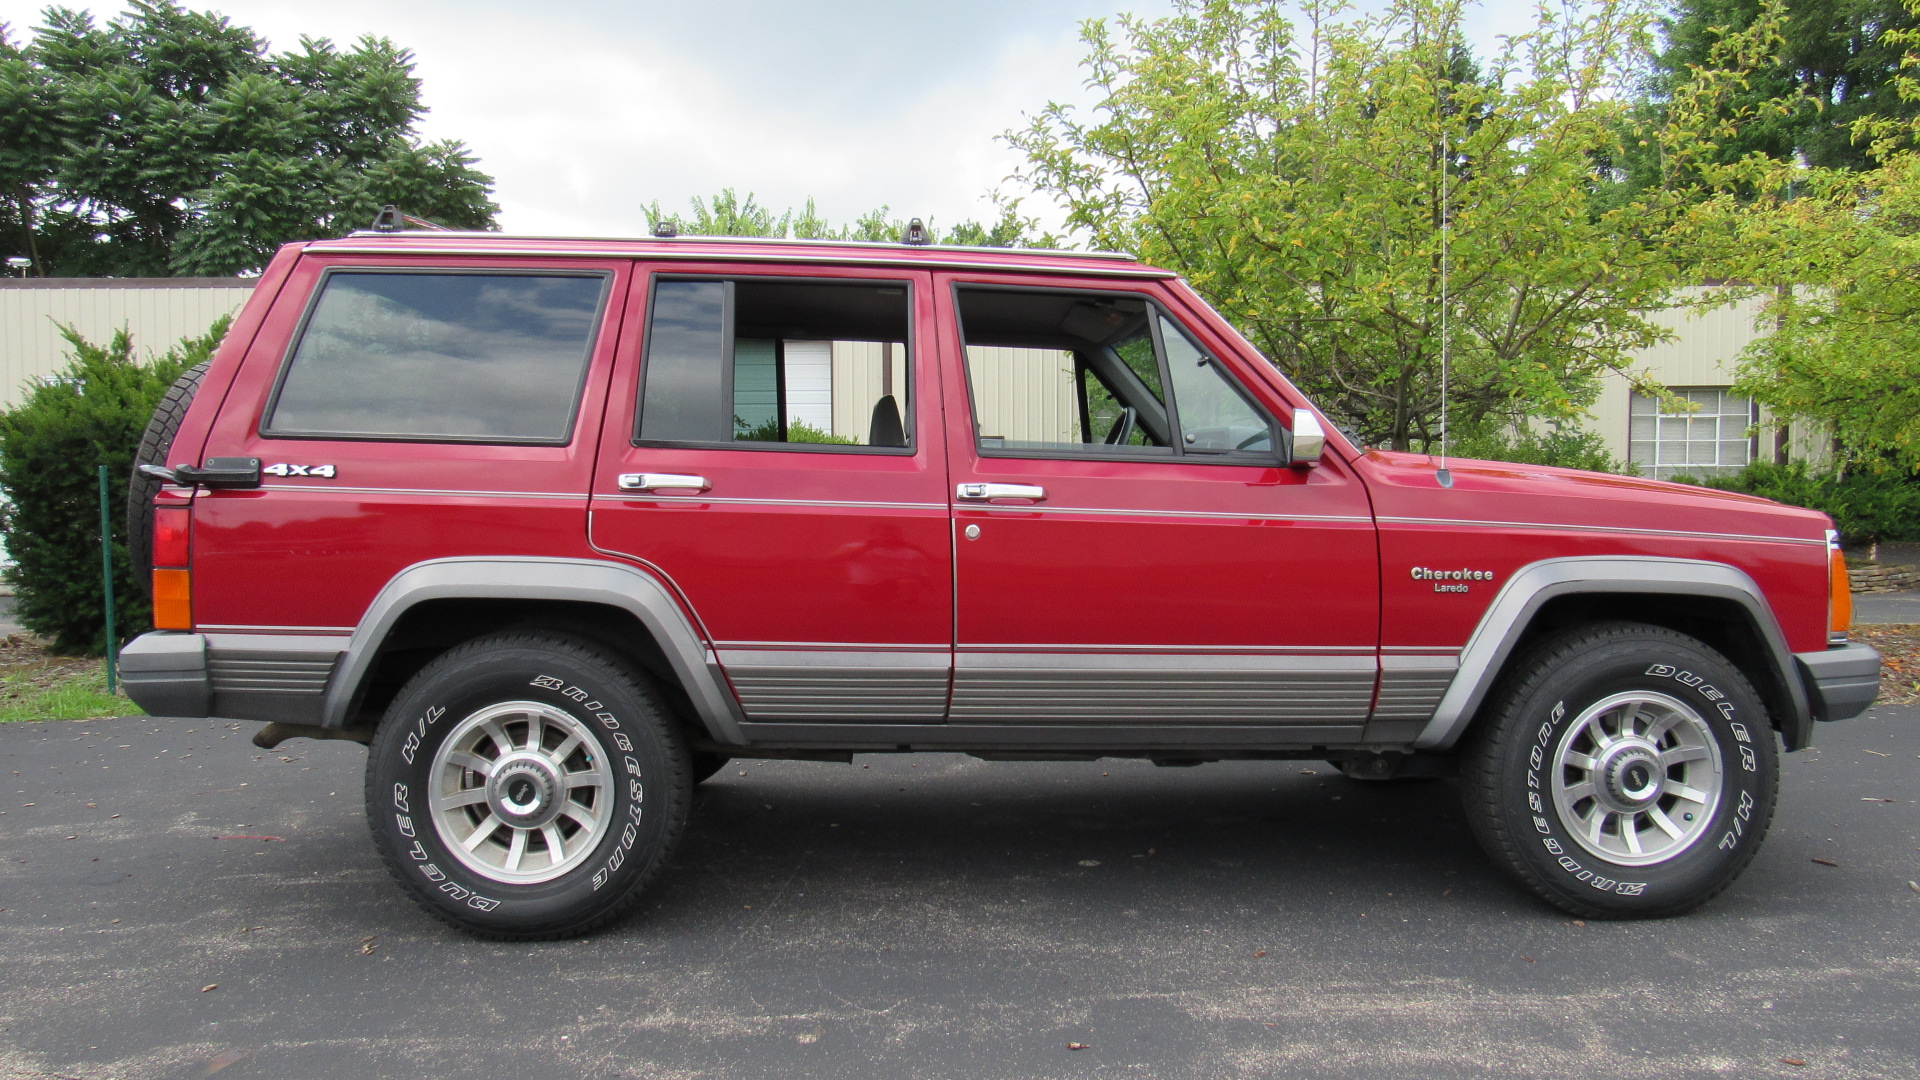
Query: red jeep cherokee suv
x=560, y=526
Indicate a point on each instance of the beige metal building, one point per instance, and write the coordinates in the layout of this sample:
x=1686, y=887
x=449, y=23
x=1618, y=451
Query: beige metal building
x=158, y=312
x=1720, y=436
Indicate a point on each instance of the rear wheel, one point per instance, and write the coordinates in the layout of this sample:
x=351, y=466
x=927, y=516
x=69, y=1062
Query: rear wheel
x=527, y=785
x=1623, y=770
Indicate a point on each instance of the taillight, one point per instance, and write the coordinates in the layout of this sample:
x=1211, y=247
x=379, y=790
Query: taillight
x=1839, y=590
x=172, y=580
x=171, y=528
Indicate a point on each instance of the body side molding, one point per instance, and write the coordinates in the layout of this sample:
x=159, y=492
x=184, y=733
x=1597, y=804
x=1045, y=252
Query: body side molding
x=526, y=578
x=1529, y=589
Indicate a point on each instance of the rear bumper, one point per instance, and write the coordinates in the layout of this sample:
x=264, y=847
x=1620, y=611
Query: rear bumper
x=280, y=677
x=1842, y=681
x=165, y=673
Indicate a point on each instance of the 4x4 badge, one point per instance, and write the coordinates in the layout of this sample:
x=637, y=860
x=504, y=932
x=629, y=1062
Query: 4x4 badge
x=283, y=469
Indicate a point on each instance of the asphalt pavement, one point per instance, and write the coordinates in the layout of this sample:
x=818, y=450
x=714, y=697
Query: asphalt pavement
x=177, y=903
x=1887, y=607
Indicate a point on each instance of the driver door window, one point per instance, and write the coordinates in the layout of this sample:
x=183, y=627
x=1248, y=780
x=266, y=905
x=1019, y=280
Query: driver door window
x=1064, y=373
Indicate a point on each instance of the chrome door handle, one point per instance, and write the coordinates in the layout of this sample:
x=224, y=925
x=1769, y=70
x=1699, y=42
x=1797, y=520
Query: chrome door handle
x=982, y=492
x=653, y=481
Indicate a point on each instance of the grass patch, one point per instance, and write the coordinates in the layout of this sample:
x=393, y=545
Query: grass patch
x=36, y=685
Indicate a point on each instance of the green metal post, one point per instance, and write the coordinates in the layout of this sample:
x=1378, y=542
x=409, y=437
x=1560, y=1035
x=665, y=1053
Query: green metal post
x=106, y=578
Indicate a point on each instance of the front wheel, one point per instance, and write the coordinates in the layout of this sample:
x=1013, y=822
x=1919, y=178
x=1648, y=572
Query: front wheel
x=527, y=785
x=1624, y=770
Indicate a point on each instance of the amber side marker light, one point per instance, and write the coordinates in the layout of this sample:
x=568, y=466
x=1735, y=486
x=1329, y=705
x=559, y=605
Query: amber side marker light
x=172, y=581
x=1839, y=590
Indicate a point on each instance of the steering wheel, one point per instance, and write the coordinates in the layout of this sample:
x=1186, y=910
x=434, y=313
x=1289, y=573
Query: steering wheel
x=1122, y=429
x=1258, y=436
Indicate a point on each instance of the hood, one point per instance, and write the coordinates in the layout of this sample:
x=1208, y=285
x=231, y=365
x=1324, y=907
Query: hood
x=1575, y=496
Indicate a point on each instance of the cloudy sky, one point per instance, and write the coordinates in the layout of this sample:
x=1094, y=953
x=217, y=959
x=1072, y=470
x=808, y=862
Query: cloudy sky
x=586, y=110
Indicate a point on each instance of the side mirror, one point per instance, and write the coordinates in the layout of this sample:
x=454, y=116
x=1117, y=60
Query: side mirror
x=1309, y=438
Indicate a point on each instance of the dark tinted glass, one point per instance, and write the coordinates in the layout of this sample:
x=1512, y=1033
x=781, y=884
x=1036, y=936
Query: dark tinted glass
x=685, y=396
x=476, y=357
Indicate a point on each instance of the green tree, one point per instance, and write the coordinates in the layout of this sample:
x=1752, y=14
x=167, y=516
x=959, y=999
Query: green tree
x=1300, y=176
x=1834, y=62
x=1835, y=249
x=727, y=214
x=1841, y=260
x=170, y=141
x=51, y=446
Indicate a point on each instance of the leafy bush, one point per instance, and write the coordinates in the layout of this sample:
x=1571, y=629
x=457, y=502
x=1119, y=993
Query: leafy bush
x=1866, y=505
x=51, y=447
x=798, y=431
x=1562, y=447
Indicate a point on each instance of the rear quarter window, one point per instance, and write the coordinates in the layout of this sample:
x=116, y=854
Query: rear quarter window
x=440, y=356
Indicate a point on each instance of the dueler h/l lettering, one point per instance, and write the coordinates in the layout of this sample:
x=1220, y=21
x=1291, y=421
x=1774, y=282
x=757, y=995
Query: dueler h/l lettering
x=558, y=527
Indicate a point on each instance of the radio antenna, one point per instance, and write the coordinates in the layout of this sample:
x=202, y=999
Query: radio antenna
x=1446, y=338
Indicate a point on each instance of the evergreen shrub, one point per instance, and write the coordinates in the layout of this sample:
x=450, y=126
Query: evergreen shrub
x=1865, y=504
x=51, y=447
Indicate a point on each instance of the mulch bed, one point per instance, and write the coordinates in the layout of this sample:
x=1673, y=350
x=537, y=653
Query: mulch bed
x=1899, y=647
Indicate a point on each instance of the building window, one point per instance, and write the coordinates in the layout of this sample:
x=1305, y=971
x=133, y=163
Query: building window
x=1713, y=441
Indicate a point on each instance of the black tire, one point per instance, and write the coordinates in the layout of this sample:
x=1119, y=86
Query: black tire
x=154, y=446
x=706, y=764
x=628, y=774
x=1642, y=826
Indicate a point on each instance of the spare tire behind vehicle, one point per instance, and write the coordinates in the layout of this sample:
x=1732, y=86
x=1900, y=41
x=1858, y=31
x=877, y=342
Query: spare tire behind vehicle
x=154, y=446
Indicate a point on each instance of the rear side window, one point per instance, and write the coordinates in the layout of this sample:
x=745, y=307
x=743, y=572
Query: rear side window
x=456, y=357
x=757, y=362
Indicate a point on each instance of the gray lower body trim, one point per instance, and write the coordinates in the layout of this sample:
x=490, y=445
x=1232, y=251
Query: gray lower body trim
x=272, y=676
x=880, y=687
x=1151, y=688
x=1842, y=681
x=1188, y=740
x=1411, y=687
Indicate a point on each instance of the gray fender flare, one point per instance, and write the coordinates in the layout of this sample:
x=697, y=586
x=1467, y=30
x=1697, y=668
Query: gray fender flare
x=642, y=594
x=1529, y=589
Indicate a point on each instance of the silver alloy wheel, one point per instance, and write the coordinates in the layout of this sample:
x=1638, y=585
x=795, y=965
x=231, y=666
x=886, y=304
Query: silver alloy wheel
x=521, y=792
x=1636, y=778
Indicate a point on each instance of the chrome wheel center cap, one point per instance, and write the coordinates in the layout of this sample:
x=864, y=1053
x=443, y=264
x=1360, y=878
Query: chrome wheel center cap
x=1632, y=777
x=523, y=790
